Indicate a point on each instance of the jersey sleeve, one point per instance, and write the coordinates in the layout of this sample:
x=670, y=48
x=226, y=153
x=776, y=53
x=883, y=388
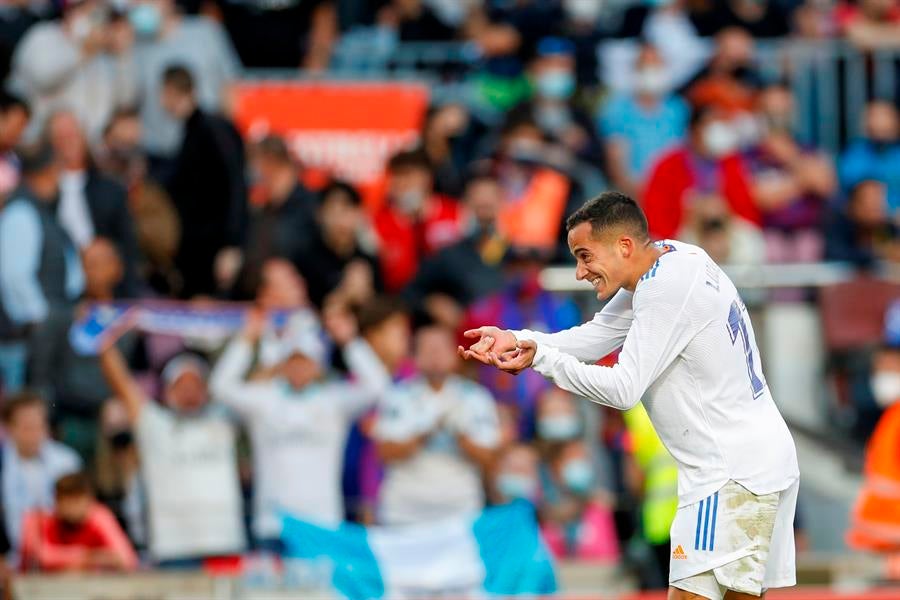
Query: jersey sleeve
x=595, y=339
x=664, y=322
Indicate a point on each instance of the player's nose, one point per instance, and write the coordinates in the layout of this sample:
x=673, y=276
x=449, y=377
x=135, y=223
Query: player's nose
x=580, y=272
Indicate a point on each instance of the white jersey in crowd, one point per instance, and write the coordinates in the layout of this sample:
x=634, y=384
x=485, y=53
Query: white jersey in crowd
x=438, y=481
x=688, y=351
x=298, y=437
x=189, y=465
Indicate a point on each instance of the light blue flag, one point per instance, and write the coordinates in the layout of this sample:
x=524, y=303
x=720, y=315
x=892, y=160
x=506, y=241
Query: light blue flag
x=498, y=552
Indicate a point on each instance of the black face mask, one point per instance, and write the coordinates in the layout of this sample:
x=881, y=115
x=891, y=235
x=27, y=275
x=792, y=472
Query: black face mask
x=121, y=440
x=69, y=525
x=714, y=225
x=881, y=145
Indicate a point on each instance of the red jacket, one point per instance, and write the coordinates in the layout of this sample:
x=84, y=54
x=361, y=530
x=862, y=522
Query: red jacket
x=50, y=546
x=404, y=241
x=673, y=176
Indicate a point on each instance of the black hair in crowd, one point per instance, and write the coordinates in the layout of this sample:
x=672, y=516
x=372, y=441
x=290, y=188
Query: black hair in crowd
x=179, y=78
x=610, y=210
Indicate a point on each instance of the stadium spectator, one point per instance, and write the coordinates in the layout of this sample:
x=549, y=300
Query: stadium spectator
x=557, y=420
x=637, y=127
x=870, y=24
x=79, y=535
x=874, y=514
x=576, y=519
x=445, y=137
x=728, y=240
x=40, y=274
x=164, y=38
x=156, y=222
x=862, y=230
x=292, y=34
x=385, y=325
x=667, y=26
x=553, y=76
x=518, y=476
x=188, y=462
x=335, y=259
x=14, y=117
x=83, y=62
x=535, y=188
x=117, y=472
x=877, y=155
x=792, y=183
x=32, y=462
x=760, y=18
x=469, y=269
x=281, y=223
x=297, y=421
x=708, y=163
x=90, y=203
x=413, y=21
x=414, y=222
x=730, y=78
x=207, y=185
x=79, y=389
x=437, y=434
x=582, y=27
x=16, y=18
x=652, y=477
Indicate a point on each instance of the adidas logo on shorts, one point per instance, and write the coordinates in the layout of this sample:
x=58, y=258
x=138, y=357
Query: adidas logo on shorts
x=679, y=554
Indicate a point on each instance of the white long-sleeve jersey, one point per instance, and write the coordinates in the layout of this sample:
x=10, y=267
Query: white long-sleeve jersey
x=688, y=351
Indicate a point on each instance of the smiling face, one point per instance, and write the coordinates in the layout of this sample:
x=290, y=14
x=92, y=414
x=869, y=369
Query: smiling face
x=601, y=260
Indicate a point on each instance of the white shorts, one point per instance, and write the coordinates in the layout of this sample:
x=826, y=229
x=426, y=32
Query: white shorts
x=734, y=540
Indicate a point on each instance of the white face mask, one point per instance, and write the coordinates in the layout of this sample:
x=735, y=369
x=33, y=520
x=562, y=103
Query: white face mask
x=583, y=11
x=653, y=81
x=886, y=387
x=720, y=139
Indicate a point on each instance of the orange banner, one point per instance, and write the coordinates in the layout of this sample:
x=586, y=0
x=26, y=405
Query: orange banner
x=348, y=129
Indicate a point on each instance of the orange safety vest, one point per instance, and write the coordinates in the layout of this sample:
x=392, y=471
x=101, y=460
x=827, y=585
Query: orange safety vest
x=534, y=219
x=875, y=520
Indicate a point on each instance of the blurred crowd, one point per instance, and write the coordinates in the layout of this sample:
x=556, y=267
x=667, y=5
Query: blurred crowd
x=122, y=177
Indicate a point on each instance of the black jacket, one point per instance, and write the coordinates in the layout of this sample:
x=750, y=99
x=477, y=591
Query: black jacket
x=107, y=202
x=209, y=191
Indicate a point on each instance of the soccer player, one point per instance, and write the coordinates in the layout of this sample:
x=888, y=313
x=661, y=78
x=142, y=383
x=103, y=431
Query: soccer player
x=689, y=353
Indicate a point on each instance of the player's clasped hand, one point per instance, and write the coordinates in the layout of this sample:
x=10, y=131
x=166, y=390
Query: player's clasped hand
x=515, y=361
x=499, y=348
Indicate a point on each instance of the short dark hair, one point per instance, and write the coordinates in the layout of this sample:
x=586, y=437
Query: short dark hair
x=10, y=101
x=274, y=146
x=608, y=210
x=72, y=485
x=179, y=78
x=13, y=404
x=343, y=187
x=121, y=114
x=410, y=159
x=379, y=310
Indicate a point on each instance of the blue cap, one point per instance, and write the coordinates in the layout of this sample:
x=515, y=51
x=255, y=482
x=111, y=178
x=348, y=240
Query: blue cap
x=892, y=325
x=550, y=46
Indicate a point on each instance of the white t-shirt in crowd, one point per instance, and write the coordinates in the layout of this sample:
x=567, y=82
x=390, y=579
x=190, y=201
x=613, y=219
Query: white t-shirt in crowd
x=438, y=481
x=298, y=436
x=189, y=466
x=690, y=355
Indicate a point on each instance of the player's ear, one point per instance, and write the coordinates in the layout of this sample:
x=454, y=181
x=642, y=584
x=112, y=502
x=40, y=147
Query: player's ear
x=626, y=246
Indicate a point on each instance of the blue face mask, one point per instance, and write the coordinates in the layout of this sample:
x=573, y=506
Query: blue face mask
x=516, y=487
x=556, y=85
x=578, y=476
x=146, y=20
x=558, y=427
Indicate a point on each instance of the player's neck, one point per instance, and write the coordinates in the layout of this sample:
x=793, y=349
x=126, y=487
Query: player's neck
x=644, y=258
